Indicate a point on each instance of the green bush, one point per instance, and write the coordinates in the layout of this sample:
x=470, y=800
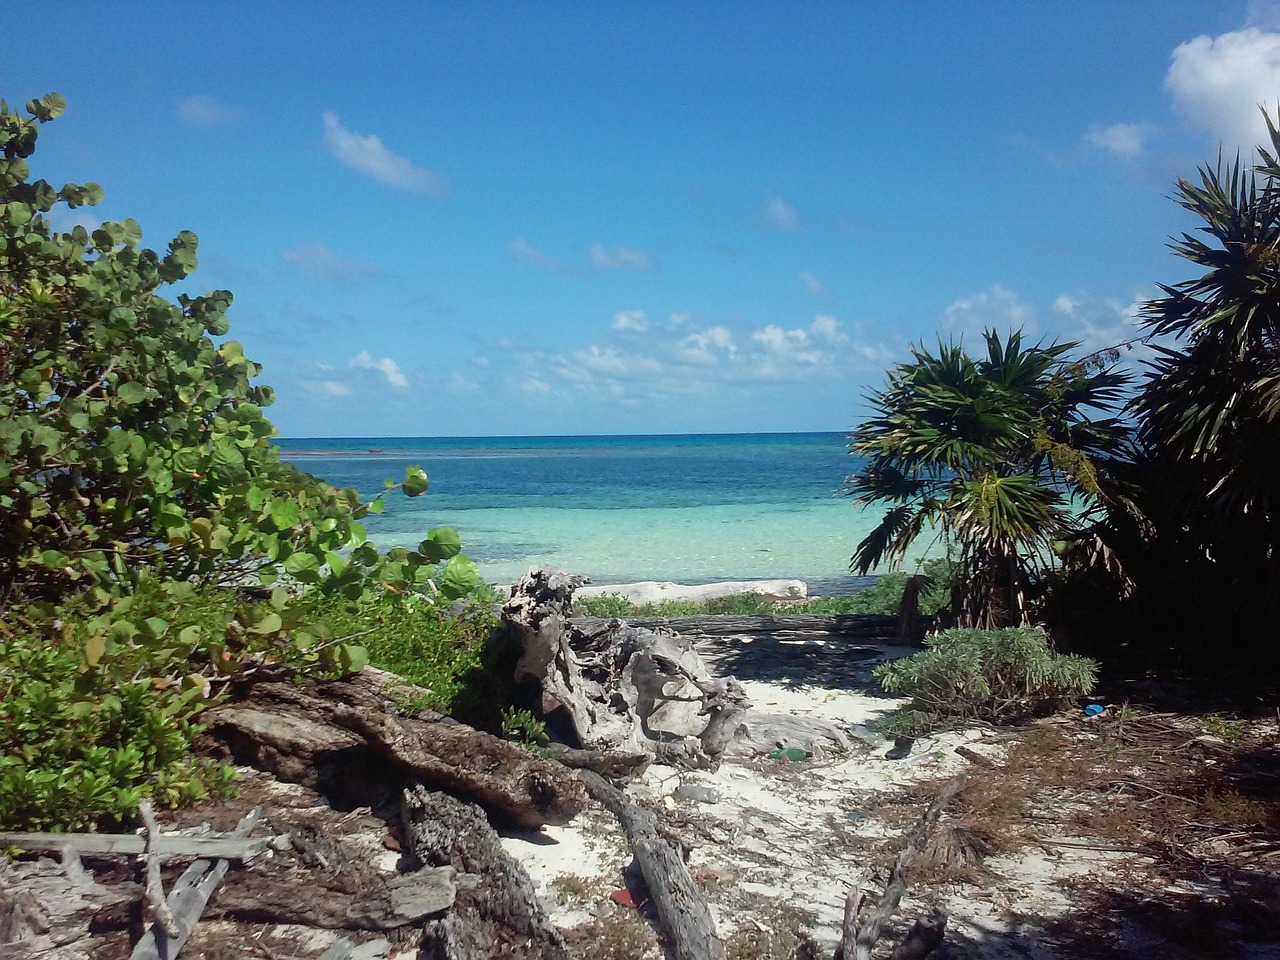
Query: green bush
x=432, y=648
x=994, y=676
x=140, y=494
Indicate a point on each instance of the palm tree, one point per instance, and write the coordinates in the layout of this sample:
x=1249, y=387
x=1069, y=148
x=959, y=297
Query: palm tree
x=1209, y=409
x=989, y=452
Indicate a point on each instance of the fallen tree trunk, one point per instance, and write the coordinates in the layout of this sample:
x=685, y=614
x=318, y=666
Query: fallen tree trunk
x=46, y=908
x=685, y=918
x=345, y=737
x=496, y=913
x=779, y=628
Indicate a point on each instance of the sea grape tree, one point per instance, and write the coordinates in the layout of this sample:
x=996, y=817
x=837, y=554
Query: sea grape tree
x=132, y=439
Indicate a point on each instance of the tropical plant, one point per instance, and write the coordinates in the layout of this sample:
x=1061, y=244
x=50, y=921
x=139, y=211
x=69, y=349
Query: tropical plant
x=1209, y=408
x=989, y=453
x=994, y=676
x=143, y=509
x=129, y=439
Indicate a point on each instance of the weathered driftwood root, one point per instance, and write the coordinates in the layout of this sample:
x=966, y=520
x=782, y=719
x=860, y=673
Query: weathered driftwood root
x=46, y=908
x=344, y=735
x=623, y=689
x=857, y=939
x=496, y=913
x=685, y=918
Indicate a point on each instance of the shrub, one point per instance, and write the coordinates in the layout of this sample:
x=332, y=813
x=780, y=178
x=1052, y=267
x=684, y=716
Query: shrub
x=139, y=493
x=996, y=676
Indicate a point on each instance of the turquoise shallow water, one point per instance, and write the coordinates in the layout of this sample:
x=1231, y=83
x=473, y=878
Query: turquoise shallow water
x=693, y=509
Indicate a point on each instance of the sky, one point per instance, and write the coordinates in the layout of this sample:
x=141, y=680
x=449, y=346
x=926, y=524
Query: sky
x=483, y=218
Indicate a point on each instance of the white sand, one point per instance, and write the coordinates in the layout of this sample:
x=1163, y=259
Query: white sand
x=800, y=833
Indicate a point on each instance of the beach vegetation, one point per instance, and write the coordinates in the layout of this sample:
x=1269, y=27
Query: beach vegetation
x=1191, y=537
x=997, y=456
x=990, y=676
x=153, y=545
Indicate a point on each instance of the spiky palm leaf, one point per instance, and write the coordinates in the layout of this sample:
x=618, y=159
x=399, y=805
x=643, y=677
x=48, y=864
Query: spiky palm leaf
x=985, y=450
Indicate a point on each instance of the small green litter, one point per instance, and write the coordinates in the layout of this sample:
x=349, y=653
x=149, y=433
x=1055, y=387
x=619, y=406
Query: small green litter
x=791, y=753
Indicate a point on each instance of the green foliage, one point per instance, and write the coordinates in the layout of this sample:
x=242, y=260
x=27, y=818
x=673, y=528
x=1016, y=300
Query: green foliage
x=988, y=452
x=129, y=439
x=995, y=676
x=83, y=744
x=613, y=605
x=523, y=727
x=417, y=640
x=140, y=495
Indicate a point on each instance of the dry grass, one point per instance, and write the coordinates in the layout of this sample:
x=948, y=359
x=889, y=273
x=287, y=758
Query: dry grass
x=622, y=934
x=770, y=934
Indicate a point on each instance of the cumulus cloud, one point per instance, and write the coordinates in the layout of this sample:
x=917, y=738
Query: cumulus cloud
x=778, y=214
x=1124, y=140
x=325, y=388
x=698, y=357
x=523, y=252
x=1065, y=304
x=636, y=321
x=997, y=307
x=1218, y=83
x=325, y=266
x=207, y=112
x=369, y=155
x=620, y=258
x=386, y=366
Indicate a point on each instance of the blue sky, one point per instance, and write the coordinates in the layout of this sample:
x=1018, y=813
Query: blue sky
x=502, y=218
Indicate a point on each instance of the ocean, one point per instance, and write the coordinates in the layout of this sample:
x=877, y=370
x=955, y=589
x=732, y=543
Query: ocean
x=687, y=508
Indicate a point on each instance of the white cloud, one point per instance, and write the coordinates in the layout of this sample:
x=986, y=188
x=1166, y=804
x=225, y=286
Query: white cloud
x=1218, y=83
x=325, y=266
x=1065, y=304
x=699, y=358
x=813, y=284
x=1124, y=140
x=996, y=307
x=368, y=155
x=62, y=219
x=827, y=328
x=523, y=252
x=386, y=366
x=636, y=321
x=325, y=388
x=461, y=385
x=207, y=112
x=779, y=214
x=620, y=258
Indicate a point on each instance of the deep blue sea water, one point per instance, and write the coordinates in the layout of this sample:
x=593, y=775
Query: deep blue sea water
x=686, y=508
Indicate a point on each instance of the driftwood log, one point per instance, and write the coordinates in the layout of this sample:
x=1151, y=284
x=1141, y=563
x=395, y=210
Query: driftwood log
x=46, y=908
x=858, y=939
x=685, y=918
x=347, y=739
x=623, y=689
x=496, y=913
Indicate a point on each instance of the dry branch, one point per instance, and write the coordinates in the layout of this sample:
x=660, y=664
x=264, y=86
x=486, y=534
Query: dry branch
x=685, y=918
x=858, y=940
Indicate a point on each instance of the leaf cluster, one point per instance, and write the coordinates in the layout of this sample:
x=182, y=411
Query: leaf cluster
x=151, y=538
x=989, y=452
x=993, y=676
